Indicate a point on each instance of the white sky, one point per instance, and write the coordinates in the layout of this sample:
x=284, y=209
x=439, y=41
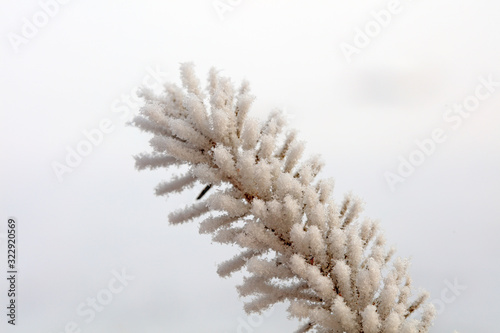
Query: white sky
x=83, y=65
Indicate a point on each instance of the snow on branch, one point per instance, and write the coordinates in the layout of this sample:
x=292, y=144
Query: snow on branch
x=297, y=244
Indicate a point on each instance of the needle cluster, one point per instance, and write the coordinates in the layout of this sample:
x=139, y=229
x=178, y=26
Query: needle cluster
x=297, y=244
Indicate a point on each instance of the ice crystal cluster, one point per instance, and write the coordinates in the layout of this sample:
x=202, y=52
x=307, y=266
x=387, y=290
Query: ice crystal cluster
x=297, y=244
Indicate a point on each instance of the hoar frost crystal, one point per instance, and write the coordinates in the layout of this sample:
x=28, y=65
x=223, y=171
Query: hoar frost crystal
x=297, y=244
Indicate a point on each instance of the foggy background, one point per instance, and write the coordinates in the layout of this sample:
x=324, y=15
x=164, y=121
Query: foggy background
x=363, y=112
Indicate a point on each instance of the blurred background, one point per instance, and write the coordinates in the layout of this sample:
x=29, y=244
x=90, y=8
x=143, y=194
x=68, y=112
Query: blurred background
x=367, y=83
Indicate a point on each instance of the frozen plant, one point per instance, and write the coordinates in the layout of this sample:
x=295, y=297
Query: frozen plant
x=297, y=244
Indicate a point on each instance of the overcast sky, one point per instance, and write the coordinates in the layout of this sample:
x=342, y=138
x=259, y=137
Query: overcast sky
x=373, y=86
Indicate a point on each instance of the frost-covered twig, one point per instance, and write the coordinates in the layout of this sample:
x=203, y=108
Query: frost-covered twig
x=298, y=245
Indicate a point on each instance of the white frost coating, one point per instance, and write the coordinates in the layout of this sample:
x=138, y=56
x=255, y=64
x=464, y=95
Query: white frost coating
x=316, y=163
x=333, y=217
x=221, y=125
x=225, y=161
x=298, y=236
x=243, y=106
x=427, y=317
x=250, y=134
x=370, y=319
x=154, y=112
x=259, y=209
x=297, y=244
x=275, y=220
x=261, y=303
x=275, y=123
x=292, y=211
x=177, y=184
x=226, y=236
x=294, y=156
x=263, y=178
x=378, y=250
x=245, y=168
x=410, y=326
x=369, y=228
x=154, y=161
x=405, y=293
x=188, y=213
x=178, y=149
x=400, y=269
x=352, y=212
x=289, y=141
x=255, y=235
x=223, y=202
x=207, y=174
x=183, y=130
x=224, y=97
x=320, y=283
x=198, y=115
x=337, y=240
x=254, y=284
x=236, y=263
x=325, y=189
x=317, y=244
x=305, y=174
x=368, y=281
x=150, y=126
x=266, y=146
x=190, y=81
x=342, y=274
x=286, y=184
x=316, y=216
x=391, y=323
x=268, y=269
x=354, y=247
x=346, y=317
x=387, y=296
x=419, y=301
x=212, y=223
x=321, y=316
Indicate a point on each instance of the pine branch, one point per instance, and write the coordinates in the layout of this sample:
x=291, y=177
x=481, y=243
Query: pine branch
x=297, y=244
